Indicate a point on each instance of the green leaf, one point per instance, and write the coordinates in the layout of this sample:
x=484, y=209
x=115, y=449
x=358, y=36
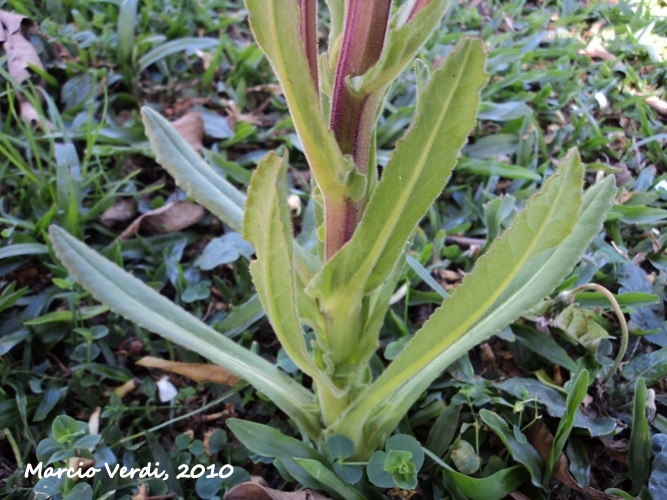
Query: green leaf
x=441, y=434
x=520, y=268
x=173, y=46
x=580, y=465
x=275, y=24
x=192, y=173
x=22, y=249
x=340, y=446
x=628, y=299
x=47, y=402
x=580, y=326
x=127, y=22
x=403, y=42
x=555, y=404
x=415, y=175
x=268, y=442
x=131, y=298
x=637, y=215
x=376, y=473
x=639, y=447
x=268, y=227
x=51, y=317
x=465, y=458
x=64, y=428
x=574, y=399
x=522, y=452
x=657, y=484
x=651, y=366
x=494, y=487
x=329, y=479
x=405, y=442
x=545, y=346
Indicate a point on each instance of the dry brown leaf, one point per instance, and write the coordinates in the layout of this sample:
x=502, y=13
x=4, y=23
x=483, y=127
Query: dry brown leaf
x=191, y=128
x=20, y=52
x=542, y=440
x=142, y=494
x=196, y=371
x=167, y=219
x=121, y=211
x=254, y=491
x=31, y=116
x=94, y=422
x=122, y=390
x=658, y=104
x=596, y=50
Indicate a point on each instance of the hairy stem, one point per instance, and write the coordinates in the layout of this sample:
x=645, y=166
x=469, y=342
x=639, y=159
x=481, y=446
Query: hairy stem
x=352, y=116
x=308, y=34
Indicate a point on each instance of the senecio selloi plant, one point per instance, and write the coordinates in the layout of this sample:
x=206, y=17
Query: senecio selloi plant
x=341, y=290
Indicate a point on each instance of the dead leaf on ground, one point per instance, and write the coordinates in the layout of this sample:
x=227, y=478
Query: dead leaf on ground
x=123, y=390
x=20, y=55
x=167, y=219
x=594, y=49
x=121, y=211
x=191, y=128
x=198, y=372
x=542, y=440
x=254, y=491
x=658, y=104
x=142, y=494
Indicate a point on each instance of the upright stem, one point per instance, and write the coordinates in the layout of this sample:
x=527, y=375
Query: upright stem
x=352, y=116
x=308, y=33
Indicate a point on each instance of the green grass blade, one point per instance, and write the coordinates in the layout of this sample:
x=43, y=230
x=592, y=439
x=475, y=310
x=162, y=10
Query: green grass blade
x=414, y=177
x=172, y=47
x=131, y=298
x=192, y=173
x=127, y=22
x=574, y=398
x=275, y=26
x=498, y=291
x=639, y=449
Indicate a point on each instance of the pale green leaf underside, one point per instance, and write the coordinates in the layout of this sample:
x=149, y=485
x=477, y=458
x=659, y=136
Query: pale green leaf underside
x=192, y=173
x=275, y=24
x=268, y=227
x=414, y=176
x=502, y=286
x=401, y=47
x=131, y=298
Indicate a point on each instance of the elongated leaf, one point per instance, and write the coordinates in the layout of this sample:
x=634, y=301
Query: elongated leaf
x=173, y=46
x=402, y=44
x=415, y=175
x=192, y=173
x=131, y=298
x=523, y=453
x=453, y=332
x=494, y=487
x=269, y=442
x=331, y=480
x=574, y=399
x=275, y=24
x=268, y=227
x=545, y=346
x=639, y=448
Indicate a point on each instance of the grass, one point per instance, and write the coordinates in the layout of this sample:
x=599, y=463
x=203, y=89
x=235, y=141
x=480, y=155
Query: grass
x=551, y=88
